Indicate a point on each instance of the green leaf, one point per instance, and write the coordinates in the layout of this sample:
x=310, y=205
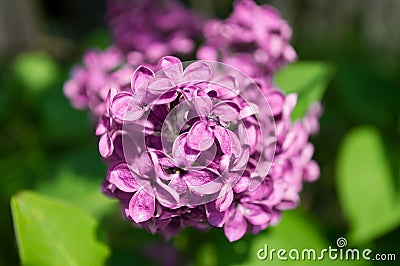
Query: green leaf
x=308, y=80
x=50, y=232
x=365, y=186
x=37, y=71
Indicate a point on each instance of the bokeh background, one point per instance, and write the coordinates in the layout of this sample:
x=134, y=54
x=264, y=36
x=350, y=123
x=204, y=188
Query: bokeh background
x=48, y=146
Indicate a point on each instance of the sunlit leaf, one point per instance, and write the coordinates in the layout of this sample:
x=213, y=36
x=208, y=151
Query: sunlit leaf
x=308, y=79
x=365, y=186
x=37, y=71
x=51, y=232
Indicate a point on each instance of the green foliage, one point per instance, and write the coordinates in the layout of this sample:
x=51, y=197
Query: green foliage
x=37, y=71
x=367, y=97
x=308, y=80
x=365, y=186
x=51, y=232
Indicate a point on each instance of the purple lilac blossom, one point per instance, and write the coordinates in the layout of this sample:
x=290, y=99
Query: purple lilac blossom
x=90, y=83
x=184, y=145
x=163, y=191
x=154, y=27
x=254, y=38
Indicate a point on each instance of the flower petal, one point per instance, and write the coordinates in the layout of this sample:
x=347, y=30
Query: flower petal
x=166, y=195
x=141, y=75
x=236, y=226
x=123, y=178
x=288, y=105
x=146, y=166
x=242, y=184
x=172, y=67
x=103, y=125
x=124, y=107
x=202, y=104
x=249, y=110
x=183, y=155
x=106, y=146
x=226, y=112
x=224, y=139
x=141, y=206
x=196, y=72
x=225, y=198
x=215, y=217
x=200, y=136
x=160, y=85
x=255, y=214
x=203, y=182
x=275, y=101
x=311, y=171
x=166, y=97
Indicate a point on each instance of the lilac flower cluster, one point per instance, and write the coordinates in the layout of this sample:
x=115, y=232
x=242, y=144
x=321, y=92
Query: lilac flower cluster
x=255, y=39
x=156, y=28
x=201, y=145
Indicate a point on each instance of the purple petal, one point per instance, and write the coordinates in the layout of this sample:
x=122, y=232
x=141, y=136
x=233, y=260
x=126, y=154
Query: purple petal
x=225, y=112
x=202, y=182
x=172, y=67
x=200, y=136
x=160, y=85
x=145, y=164
x=183, y=155
x=125, y=108
x=202, y=104
x=225, y=198
x=122, y=177
x=275, y=101
x=106, y=146
x=166, y=195
x=215, y=217
x=249, y=110
x=242, y=159
x=196, y=72
x=242, y=184
x=141, y=206
x=103, y=125
x=110, y=95
x=199, y=177
x=236, y=226
x=255, y=214
x=207, y=53
x=311, y=171
x=237, y=146
x=141, y=75
x=166, y=97
x=224, y=139
x=226, y=87
x=289, y=105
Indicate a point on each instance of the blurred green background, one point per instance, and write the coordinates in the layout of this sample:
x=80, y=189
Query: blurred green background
x=48, y=146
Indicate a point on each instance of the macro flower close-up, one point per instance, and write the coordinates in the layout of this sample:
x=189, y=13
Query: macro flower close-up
x=174, y=132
